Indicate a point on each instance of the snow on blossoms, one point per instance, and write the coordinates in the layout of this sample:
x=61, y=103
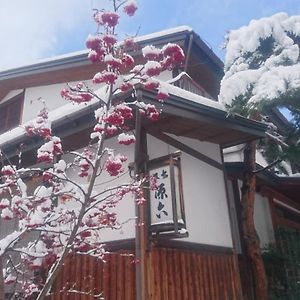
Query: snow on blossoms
x=114, y=164
x=51, y=149
x=40, y=126
x=73, y=193
x=130, y=8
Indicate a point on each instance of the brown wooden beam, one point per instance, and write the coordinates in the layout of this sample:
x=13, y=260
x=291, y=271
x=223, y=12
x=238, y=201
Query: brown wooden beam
x=141, y=234
x=269, y=192
x=173, y=142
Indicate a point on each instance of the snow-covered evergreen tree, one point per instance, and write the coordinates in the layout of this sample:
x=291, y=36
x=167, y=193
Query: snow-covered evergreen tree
x=262, y=75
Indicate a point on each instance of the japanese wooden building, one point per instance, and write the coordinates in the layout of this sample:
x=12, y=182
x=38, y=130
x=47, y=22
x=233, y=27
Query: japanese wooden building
x=188, y=245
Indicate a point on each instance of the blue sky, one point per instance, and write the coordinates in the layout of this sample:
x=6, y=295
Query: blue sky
x=35, y=29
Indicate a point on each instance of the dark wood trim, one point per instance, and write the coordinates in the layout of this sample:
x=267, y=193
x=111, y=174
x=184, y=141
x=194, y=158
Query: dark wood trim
x=269, y=192
x=22, y=94
x=232, y=223
x=182, y=245
x=126, y=244
x=173, y=142
x=287, y=223
x=238, y=208
x=225, y=179
x=273, y=212
x=141, y=233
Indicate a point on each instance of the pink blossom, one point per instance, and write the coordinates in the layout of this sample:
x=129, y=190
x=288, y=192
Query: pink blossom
x=109, y=39
x=113, y=62
x=130, y=8
x=126, y=139
x=4, y=203
x=47, y=177
x=7, y=214
x=49, y=150
x=49, y=259
x=93, y=56
x=127, y=60
x=108, y=18
x=93, y=42
x=153, y=116
x=162, y=94
x=124, y=110
x=105, y=77
x=111, y=130
x=10, y=279
x=84, y=168
x=173, y=56
x=129, y=44
x=114, y=164
x=8, y=170
x=151, y=53
x=151, y=84
x=115, y=119
x=150, y=111
x=126, y=86
x=108, y=219
x=152, y=68
x=76, y=96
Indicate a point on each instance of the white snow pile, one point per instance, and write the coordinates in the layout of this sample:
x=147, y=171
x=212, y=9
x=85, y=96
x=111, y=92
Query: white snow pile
x=262, y=74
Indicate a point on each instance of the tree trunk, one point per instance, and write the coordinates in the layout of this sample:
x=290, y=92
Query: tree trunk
x=2, y=292
x=250, y=236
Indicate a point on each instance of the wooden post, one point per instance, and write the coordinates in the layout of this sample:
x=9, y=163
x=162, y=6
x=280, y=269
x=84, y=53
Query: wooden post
x=2, y=291
x=233, y=237
x=250, y=236
x=141, y=235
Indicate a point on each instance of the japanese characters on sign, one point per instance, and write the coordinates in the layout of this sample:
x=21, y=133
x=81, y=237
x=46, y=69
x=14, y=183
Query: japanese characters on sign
x=166, y=203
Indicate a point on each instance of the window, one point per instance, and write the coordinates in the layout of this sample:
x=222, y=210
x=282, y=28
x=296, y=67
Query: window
x=10, y=113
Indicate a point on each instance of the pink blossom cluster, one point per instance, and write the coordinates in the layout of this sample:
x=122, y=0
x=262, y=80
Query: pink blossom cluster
x=113, y=121
x=85, y=162
x=149, y=111
x=77, y=93
x=53, y=209
x=41, y=126
x=114, y=164
x=51, y=149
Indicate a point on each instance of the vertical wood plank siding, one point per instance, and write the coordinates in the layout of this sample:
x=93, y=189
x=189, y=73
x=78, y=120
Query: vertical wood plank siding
x=171, y=274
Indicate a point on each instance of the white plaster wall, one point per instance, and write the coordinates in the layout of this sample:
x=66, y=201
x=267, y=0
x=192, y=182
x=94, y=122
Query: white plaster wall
x=165, y=75
x=263, y=220
x=206, y=209
x=52, y=97
x=50, y=94
x=125, y=209
x=235, y=154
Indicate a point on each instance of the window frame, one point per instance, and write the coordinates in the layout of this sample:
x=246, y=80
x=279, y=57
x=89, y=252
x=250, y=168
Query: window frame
x=17, y=99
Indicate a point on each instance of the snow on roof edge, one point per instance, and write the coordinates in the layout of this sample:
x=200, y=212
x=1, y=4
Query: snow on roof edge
x=70, y=109
x=142, y=38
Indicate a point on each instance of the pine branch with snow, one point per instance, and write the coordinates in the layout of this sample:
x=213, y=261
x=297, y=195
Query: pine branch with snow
x=262, y=76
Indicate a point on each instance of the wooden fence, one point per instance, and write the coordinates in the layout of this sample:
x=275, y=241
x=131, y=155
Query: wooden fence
x=171, y=274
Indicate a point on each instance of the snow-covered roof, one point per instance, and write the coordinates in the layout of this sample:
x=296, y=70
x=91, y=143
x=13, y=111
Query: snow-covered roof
x=163, y=33
x=69, y=111
x=81, y=56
